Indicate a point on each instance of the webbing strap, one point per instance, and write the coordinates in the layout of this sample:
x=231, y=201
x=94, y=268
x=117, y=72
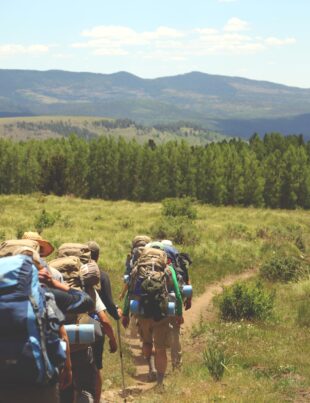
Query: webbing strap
x=35, y=308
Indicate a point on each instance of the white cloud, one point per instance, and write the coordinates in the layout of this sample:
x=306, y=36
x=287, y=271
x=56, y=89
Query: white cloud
x=15, y=49
x=272, y=41
x=235, y=25
x=167, y=43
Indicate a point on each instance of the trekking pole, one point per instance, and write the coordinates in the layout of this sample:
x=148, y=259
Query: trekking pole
x=121, y=357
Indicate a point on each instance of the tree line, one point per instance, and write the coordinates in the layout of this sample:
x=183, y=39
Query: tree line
x=273, y=171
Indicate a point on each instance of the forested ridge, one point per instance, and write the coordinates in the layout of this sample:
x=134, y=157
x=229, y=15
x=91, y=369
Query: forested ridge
x=273, y=171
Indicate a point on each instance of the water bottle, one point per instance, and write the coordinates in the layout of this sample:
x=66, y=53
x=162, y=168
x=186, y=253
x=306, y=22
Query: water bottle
x=126, y=278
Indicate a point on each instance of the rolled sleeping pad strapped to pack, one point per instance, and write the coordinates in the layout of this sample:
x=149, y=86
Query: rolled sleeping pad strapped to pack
x=81, y=334
x=187, y=291
x=135, y=308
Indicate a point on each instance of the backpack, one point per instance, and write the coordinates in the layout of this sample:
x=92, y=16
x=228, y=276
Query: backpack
x=76, y=274
x=149, y=284
x=7, y=248
x=30, y=348
x=70, y=268
x=80, y=250
x=180, y=263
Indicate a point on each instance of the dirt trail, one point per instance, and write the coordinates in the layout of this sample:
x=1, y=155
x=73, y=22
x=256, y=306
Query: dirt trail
x=201, y=308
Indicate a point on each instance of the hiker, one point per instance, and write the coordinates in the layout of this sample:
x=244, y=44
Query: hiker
x=179, y=264
x=148, y=289
x=30, y=373
x=105, y=294
x=79, y=271
x=137, y=245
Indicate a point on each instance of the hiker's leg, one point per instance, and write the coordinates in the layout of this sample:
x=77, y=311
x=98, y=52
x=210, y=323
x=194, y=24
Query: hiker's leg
x=176, y=348
x=161, y=342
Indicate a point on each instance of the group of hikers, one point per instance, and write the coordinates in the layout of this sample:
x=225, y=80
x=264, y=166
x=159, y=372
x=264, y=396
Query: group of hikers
x=53, y=315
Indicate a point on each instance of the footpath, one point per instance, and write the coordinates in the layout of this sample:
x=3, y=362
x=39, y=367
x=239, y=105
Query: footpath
x=201, y=310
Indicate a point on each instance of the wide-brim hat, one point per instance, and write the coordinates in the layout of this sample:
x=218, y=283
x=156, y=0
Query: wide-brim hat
x=46, y=248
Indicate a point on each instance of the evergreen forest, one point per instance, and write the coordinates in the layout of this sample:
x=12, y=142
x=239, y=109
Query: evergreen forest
x=273, y=171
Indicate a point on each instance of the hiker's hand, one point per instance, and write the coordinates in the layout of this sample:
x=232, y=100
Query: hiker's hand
x=188, y=304
x=65, y=377
x=125, y=321
x=45, y=277
x=113, y=345
x=179, y=320
x=119, y=312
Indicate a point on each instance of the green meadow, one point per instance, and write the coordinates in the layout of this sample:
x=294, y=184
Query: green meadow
x=266, y=360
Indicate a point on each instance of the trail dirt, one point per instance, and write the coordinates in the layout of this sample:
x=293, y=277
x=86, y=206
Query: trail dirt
x=201, y=309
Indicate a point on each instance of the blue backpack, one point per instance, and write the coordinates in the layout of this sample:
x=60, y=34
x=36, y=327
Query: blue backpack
x=30, y=348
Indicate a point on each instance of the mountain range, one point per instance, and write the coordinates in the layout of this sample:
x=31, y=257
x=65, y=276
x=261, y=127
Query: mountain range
x=228, y=105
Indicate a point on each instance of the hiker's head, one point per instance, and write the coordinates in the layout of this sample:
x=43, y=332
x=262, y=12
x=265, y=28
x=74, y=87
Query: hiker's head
x=25, y=250
x=140, y=240
x=94, y=250
x=46, y=248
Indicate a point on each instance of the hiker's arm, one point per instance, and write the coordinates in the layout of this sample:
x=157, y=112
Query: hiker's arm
x=179, y=302
x=65, y=378
x=125, y=317
x=105, y=323
x=106, y=295
x=108, y=330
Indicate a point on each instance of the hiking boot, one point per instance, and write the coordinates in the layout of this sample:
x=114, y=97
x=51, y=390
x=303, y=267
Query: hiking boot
x=159, y=388
x=152, y=376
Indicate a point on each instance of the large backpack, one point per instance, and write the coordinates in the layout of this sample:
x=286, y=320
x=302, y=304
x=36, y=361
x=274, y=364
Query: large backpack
x=149, y=284
x=76, y=274
x=7, y=248
x=80, y=250
x=30, y=347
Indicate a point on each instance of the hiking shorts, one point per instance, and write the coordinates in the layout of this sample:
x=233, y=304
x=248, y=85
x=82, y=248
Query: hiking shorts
x=155, y=332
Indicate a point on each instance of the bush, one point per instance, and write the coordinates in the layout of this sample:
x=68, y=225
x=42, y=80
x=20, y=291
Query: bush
x=216, y=362
x=246, y=302
x=281, y=268
x=180, y=230
x=182, y=207
x=45, y=220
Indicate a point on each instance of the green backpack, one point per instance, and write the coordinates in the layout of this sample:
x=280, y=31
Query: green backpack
x=149, y=284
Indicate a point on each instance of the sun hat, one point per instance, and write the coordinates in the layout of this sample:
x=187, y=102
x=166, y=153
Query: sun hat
x=46, y=247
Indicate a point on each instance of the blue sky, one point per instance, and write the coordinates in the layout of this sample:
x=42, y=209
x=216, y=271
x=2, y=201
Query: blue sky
x=257, y=39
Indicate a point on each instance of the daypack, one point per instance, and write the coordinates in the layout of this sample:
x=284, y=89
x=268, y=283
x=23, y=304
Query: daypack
x=30, y=347
x=180, y=263
x=149, y=284
x=80, y=250
x=7, y=248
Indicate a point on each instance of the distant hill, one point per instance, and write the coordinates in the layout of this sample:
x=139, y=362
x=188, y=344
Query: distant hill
x=44, y=127
x=229, y=105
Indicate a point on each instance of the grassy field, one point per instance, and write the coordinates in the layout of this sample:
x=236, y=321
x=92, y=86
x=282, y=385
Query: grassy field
x=44, y=127
x=268, y=361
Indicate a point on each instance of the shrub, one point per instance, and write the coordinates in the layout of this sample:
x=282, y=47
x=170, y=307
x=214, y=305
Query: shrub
x=216, y=362
x=45, y=220
x=246, y=302
x=182, y=207
x=281, y=268
x=180, y=230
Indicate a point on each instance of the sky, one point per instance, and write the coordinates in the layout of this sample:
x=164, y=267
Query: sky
x=257, y=39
